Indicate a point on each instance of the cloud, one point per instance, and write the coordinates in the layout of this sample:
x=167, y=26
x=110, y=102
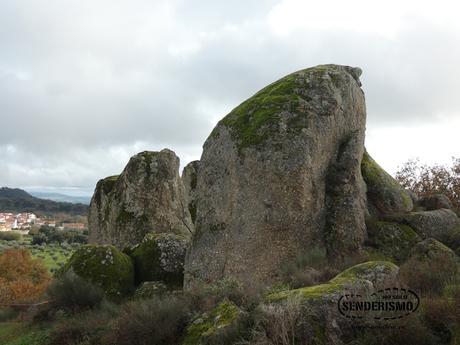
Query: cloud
x=84, y=84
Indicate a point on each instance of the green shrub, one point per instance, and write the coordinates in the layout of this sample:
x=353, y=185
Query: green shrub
x=7, y=314
x=92, y=327
x=428, y=276
x=10, y=236
x=72, y=293
x=157, y=321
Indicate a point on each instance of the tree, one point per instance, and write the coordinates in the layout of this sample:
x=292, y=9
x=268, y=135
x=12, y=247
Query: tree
x=425, y=180
x=22, y=278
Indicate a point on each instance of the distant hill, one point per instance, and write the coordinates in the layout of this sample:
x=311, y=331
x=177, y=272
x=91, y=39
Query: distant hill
x=62, y=197
x=18, y=200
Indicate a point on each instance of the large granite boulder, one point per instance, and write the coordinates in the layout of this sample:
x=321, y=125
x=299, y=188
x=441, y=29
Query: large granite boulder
x=384, y=194
x=281, y=174
x=147, y=197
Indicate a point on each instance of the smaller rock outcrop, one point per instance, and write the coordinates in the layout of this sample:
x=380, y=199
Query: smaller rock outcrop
x=149, y=290
x=392, y=239
x=104, y=266
x=147, y=197
x=160, y=257
x=437, y=224
x=384, y=194
x=317, y=305
x=366, y=276
x=432, y=250
x=436, y=202
x=209, y=327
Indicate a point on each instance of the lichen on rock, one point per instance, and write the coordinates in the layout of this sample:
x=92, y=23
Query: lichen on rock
x=104, y=266
x=160, y=257
x=392, y=239
x=262, y=186
x=209, y=326
x=147, y=196
x=438, y=224
x=365, y=276
x=384, y=193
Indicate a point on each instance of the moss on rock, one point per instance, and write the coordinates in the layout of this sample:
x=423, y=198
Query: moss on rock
x=211, y=325
x=104, y=266
x=160, y=257
x=392, y=239
x=358, y=276
x=256, y=119
x=383, y=191
x=431, y=249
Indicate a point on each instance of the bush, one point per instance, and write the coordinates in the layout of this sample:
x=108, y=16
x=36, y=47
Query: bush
x=425, y=180
x=280, y=324
x=429, y=276
x=207, y=297
x=7, y=314
x=48, y=234
x=158, y=321
x=10, y=236
x=303, y=271
x=72, y=293
x=89, y=327
x=22, y=278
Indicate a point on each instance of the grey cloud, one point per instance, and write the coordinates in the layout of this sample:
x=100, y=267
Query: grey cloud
x=82, y=80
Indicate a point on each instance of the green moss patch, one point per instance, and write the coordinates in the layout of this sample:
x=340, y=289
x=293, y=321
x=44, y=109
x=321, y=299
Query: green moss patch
x=374, y=271
x=208, y=326
x=392, y=239
x=104, y=266
x=383, y=191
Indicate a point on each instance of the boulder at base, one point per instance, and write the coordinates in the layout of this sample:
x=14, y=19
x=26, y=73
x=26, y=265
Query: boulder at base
x=392, y=239
x=160, y=257
x=210, y=327
x=436, y=202
x=316, y=306
x=281, y=174
x=438, y=224
x=147, y=196
x=104, y=266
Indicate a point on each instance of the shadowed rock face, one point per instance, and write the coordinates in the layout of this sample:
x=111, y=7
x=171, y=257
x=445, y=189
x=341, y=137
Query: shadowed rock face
x=189, y=178
x=280, y=174
x=148, y=197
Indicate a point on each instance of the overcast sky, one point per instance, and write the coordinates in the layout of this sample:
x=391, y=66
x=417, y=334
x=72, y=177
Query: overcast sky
x=85, y=84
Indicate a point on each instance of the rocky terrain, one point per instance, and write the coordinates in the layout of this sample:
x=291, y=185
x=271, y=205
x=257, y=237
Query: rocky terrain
x=283, y=174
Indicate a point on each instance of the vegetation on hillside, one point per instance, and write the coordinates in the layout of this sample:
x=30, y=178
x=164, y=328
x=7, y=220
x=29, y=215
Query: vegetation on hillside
x=17, y=200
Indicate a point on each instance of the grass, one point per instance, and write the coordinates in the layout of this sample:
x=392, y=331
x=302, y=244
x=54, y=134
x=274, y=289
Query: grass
x=15, y=333
x=53, y=255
